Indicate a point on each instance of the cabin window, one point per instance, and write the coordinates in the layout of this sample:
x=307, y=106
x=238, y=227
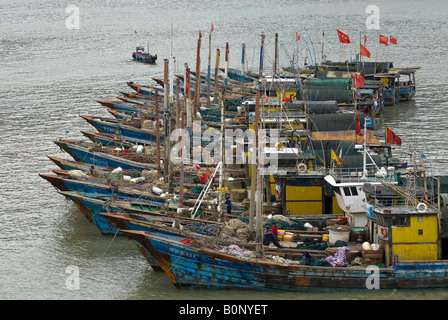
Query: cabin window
x=400, y=221
x=350, y=191
x=420, y=232
x=420, y=219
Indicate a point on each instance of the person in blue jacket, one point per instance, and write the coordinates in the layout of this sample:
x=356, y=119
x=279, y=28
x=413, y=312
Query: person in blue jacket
x=229, y=205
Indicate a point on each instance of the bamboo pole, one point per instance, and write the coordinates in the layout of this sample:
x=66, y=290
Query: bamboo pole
x=208, y=67
x=159, y=170
x=253, y=178
x=276, y=55
x=215, y=93
x=197, y=90
x=167, y=117
x=259, y=198
x=181, y=178
x=261, y=55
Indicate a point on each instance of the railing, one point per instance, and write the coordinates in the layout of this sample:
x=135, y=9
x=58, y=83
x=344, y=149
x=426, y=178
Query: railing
x=351, y=175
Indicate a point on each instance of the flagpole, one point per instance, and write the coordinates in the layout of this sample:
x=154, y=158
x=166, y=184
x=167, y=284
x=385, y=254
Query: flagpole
x=364, y=158
x=385, y=149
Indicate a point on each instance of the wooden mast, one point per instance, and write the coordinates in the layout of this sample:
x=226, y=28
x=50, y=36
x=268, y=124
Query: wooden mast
x=258, y=168
x=197, y=90
x=159, y=170
x=167, y=117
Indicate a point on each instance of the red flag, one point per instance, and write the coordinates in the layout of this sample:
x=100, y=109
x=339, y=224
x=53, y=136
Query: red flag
x=365, y=39
x=323, y=33
x=297, y=36
x=384, y=40
x=392, y=138
x=393, y=40
x=359, y=80
x=358, y=126
x=135, y=31
x=364, y=51
x=343, y=38
x=200, y=34
x=212, y=28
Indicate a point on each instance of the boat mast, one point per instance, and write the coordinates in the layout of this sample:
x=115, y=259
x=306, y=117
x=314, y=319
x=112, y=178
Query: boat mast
x=261, y=55
x=198, y=75
x=208, y=68
x=364, y=156
x=223, y=109
x=243, y=54
x=258, y=168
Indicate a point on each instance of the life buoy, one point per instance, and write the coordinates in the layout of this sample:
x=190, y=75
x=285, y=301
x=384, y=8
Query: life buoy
x=279, y=146
x=278, y=192
x=301, y=167
x=421, y=207
x=264, y=99
x=383, y=232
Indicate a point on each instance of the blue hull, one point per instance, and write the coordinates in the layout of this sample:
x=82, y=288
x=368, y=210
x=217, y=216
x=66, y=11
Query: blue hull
x=104, y=160
x=133, y=109
x=237, y=75
x=191, y=266
x=105, y=191
x=93, y=204
x=125, y=131
x=407, y=93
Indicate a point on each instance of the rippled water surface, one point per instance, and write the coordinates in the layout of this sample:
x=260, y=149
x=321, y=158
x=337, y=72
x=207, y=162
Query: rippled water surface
x=50, y=74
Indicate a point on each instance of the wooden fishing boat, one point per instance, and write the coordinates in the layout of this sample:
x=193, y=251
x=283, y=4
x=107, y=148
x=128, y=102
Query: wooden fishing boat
x=142, y=56
x=65, y=164
x=107, y=139
x=90, y=204
x=145, y=90
x=127, y=129
x=115, y=189
x=146, y=109
x=406, y=84
x=107, y=157
x=239, y=76
x=192, y=265
x=197, y=230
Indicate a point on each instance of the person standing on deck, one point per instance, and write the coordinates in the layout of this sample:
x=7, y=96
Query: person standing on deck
x=275, y=231
x=229, y=205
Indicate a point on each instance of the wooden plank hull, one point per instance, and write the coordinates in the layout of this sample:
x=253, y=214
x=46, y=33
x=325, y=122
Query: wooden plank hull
x=191, y=266
x=115, y=127
x=103, y=159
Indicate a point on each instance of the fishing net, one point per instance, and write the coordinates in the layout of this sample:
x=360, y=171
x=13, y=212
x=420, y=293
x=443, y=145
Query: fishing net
x=285, y=225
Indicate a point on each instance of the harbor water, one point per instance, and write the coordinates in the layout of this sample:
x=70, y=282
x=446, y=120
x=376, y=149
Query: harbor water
x=59, y=57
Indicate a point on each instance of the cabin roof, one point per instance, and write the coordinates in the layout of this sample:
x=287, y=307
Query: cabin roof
x=404, y=211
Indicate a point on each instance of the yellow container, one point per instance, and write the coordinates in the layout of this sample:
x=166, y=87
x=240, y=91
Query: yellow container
x=281, y=234
x=288, y=236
